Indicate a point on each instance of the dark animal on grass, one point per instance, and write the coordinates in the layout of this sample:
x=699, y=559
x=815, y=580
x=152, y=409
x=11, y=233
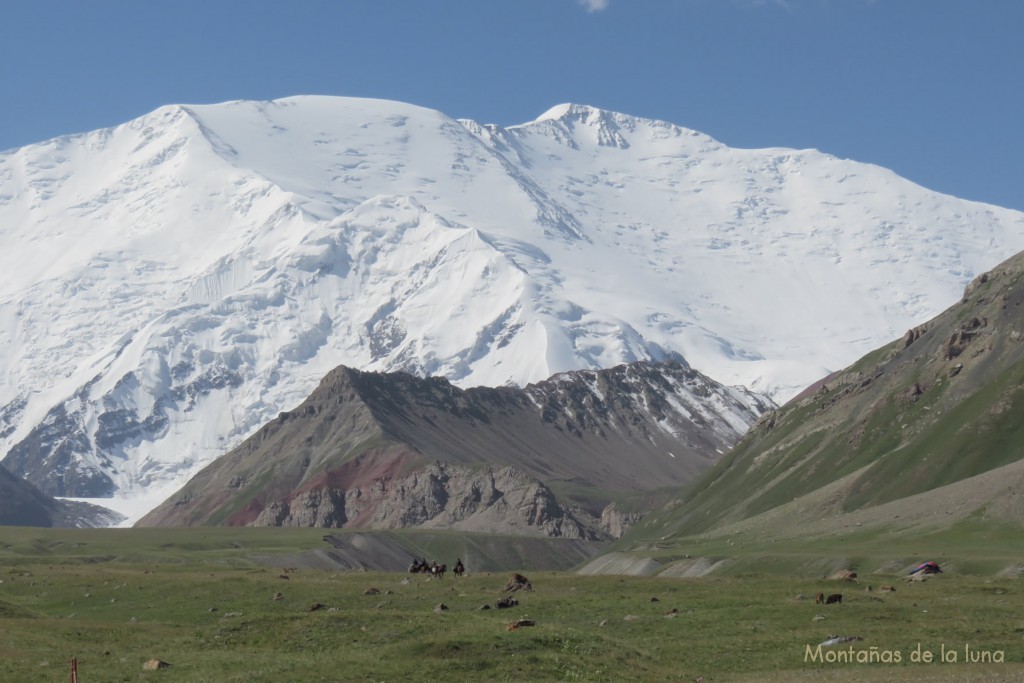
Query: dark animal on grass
x=460, y=569
x=819, y=599
x=834, y=599
x=438, y=570
x=506, y=602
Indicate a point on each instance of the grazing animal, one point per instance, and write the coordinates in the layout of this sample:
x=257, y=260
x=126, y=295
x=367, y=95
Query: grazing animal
x=833, y=599
x=819, y=599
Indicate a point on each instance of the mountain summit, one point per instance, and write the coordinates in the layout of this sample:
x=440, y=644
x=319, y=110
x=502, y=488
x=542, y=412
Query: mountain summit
x=175, y=282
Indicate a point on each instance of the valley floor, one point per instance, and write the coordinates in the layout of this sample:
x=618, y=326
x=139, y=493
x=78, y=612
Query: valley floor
x=196, y=600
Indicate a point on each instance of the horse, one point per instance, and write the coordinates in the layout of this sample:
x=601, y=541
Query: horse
x=438, y=569
x=460, y=569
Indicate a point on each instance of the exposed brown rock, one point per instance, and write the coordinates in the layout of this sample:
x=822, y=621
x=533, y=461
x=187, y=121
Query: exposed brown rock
x=517, y=582
x=616, y=523
x=520, y=623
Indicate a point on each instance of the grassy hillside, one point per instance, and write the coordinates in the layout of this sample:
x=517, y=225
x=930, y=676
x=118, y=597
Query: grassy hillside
x=933, y=412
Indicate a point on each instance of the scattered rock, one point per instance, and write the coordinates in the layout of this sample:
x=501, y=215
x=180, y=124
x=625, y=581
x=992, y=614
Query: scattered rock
x=441, y=607
x=819, y=617
x=630, y=617
x=506, y=602
x=844, y=575
x=839, y=640
x=519, y=623
x=655, y=600
x=154, y=664
x=887, y=589
x=484, y=607
x=278, y=596
x=518, y=582
x=603, y=622
x=315, y=606
x=371, y=591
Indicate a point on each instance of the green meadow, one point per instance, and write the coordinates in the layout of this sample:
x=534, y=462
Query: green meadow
x=215, y=605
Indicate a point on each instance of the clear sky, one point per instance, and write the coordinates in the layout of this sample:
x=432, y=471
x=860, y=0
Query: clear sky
x=933, y=89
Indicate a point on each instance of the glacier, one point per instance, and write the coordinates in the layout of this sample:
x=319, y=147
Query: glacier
x=174, y=282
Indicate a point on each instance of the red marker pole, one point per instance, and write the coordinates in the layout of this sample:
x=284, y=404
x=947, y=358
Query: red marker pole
x=74, y=670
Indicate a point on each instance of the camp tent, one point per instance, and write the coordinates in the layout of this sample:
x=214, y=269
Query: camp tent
x=926, y=568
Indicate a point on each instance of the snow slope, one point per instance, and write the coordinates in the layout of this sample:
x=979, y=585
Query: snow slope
x=172, y=283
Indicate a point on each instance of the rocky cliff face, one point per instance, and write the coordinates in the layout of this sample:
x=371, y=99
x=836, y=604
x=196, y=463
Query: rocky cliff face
x=390, y=450
x=440, y=495
x=615, y=523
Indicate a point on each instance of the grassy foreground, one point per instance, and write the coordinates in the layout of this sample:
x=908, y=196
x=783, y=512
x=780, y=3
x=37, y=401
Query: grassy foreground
x=114, y=599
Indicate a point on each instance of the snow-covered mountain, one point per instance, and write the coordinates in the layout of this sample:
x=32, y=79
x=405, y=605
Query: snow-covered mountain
x=172, y=283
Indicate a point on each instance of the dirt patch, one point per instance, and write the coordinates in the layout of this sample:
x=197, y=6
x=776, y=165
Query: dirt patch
x=622, y=564
x=694, y=567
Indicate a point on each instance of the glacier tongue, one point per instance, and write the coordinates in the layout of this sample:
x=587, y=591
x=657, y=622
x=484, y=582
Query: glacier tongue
x=177, y=281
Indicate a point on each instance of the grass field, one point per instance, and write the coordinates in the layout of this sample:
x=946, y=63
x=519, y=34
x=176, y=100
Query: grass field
x=114, y=599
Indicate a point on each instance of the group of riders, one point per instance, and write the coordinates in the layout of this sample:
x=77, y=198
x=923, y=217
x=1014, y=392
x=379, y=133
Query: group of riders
x=419, y=566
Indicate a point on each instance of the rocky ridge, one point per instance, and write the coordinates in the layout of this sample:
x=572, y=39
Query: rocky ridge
x=391, y=450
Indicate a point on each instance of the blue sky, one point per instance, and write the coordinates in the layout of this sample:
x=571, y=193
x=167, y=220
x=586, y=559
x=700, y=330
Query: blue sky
x=933, y=89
